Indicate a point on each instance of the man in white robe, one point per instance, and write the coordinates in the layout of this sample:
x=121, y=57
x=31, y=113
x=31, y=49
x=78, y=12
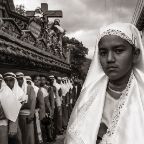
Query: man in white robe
x=9, y=110
x=14, y=130
x=26, y=118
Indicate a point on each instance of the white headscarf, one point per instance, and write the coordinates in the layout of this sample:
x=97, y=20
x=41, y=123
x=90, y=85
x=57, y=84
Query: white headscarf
x=67, y=84
x=18, y=92
x=127, y=126
x=57, y=85
x=70, y=84
x=64, y=89
x=24, y=85
x=11, y=106
x=28, y=78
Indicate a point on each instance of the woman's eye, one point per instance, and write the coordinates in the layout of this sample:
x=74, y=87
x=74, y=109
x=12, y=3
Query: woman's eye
x=102, y=52
x=118, y=51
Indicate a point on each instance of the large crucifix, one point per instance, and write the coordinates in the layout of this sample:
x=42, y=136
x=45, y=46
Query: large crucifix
x=46, y=13
x=36, y=28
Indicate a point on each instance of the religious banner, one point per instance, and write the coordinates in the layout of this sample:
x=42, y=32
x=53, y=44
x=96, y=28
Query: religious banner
x=35, y=29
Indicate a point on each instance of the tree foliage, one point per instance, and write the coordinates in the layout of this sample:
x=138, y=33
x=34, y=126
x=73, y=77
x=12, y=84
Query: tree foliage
x=78, y=56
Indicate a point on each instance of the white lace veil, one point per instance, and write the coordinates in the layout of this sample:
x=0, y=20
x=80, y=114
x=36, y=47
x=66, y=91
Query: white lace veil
x=127, y=126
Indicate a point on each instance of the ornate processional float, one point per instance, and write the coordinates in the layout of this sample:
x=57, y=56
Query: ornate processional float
x=31, y=43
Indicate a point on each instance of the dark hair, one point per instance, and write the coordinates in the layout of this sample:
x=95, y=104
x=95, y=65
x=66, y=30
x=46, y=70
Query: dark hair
x=34, y=76
x=43, y=76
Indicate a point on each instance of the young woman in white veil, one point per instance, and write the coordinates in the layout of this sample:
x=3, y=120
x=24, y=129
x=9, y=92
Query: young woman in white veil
x=110, y=109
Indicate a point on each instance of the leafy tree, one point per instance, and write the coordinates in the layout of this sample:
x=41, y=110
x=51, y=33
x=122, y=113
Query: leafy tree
x=78, y=56
x=20, y=9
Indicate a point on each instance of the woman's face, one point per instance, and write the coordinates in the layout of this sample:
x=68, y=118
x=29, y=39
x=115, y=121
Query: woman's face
x=116, y=56
x=20, y=81
x=43, y=80
x=37, y=81
x=10, y=82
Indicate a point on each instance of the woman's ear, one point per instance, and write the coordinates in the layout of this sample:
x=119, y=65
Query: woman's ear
x=136, y=55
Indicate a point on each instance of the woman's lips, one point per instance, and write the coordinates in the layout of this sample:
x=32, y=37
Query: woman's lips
x=112, y=68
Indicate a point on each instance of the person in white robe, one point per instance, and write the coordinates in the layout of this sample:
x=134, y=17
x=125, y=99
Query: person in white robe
x=70, y=96
x=26, y=116
x=9, y=110
x=64, y=103
x=14, y=130
x=58, y=105
x=110, y=107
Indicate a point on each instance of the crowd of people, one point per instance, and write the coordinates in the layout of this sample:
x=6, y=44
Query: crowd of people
x=35, y=109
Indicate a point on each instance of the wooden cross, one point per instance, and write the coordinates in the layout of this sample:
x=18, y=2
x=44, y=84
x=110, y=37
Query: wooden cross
x=46, y=13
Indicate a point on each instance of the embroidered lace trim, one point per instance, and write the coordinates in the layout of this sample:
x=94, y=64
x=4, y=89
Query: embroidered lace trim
x=115, y=118
x=76, y=136
x=107, y=138
x=120, y=34
x=82, y=113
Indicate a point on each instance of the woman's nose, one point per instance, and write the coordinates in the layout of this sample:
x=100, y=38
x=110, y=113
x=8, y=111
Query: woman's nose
x=110, y=57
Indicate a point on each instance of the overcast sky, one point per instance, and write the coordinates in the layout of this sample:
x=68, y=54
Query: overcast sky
x=82, y=18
